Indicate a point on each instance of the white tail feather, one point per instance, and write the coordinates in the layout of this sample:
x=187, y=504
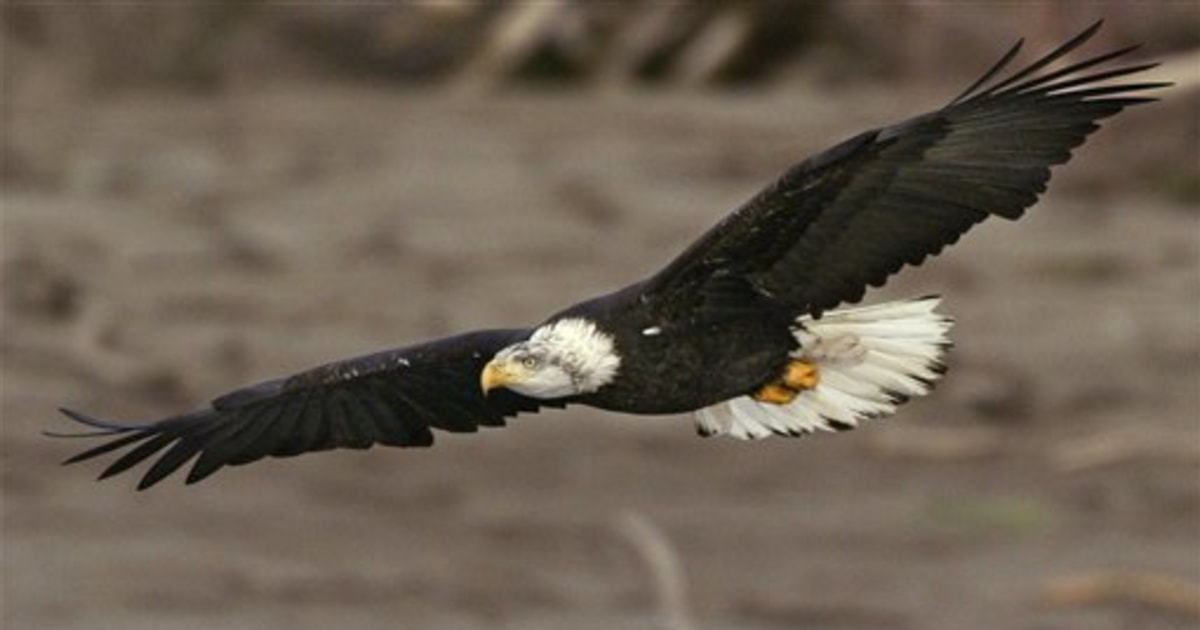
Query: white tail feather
x=869, y=360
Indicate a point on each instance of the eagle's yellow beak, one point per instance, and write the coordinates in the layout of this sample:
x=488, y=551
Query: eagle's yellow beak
x=496, y=375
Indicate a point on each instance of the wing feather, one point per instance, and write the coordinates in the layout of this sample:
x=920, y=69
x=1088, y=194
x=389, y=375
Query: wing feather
x=1054, y=55
x=850, y=217
x=392, y=398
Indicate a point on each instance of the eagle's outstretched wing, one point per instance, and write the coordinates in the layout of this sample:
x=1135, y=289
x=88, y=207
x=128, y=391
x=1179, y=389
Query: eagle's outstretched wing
x=850, y=217
x=393, y=397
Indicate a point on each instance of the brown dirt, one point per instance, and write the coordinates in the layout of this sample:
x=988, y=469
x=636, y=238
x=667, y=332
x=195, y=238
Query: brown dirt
x=182, y=246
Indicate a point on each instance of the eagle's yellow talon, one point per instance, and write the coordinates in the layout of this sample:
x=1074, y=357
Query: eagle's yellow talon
x=775, y=394
x=800, y=375
x=797, y=377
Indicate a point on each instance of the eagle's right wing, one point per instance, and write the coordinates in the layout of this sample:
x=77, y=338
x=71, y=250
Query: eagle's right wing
x=850, y=217
x=393, y=398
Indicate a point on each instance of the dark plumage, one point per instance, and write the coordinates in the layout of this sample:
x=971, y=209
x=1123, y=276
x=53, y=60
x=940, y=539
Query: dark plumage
x=717, y=323
x=393, y=397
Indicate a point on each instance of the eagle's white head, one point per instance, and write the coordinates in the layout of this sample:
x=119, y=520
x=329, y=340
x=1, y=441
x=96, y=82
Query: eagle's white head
x=566, y=357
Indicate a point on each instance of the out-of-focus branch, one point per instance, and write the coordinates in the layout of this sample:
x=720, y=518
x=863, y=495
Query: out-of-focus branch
x=666, y=571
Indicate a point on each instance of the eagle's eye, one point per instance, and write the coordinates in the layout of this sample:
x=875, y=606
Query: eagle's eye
x=530, y=362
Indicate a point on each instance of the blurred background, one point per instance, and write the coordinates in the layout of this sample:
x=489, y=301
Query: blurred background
x=201, y=194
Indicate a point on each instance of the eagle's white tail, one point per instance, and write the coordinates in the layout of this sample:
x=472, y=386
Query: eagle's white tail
x=869, y=360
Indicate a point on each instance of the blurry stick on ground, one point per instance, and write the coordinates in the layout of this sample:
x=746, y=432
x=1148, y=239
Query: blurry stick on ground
x=700, y=41
x=666, y=571
x=1159, y=591
x=520, y=28
x=1123, y=445
x=654, y=25
x=702, y=60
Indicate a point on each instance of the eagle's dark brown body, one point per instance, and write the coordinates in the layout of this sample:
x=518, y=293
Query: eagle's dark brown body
x=742, y=343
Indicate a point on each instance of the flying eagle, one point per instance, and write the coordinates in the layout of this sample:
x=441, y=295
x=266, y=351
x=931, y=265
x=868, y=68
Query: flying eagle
x=739, y=328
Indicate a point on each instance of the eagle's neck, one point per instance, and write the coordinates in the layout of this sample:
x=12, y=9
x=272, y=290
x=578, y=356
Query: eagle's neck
x=585, y=352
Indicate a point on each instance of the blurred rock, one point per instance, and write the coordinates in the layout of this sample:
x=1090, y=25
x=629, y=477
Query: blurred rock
x=38, y=287
x=994, y=392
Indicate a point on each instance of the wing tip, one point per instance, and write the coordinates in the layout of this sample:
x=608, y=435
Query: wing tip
x=1027, y=78
x=104, y=427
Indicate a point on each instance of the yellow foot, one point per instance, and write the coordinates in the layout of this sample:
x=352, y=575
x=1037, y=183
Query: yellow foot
x=800, y=375
x=775, y=394
x=797, y=377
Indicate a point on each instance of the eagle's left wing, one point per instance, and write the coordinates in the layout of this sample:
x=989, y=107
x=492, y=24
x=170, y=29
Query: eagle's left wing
x=850, y=217
x=393, y=398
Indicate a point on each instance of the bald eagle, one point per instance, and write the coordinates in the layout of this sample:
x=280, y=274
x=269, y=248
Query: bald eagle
x=739, y=329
